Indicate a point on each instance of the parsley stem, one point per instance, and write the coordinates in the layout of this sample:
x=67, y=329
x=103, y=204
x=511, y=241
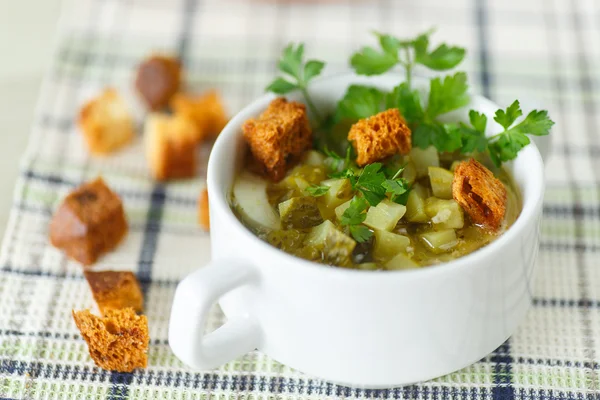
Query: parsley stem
x=311, y=105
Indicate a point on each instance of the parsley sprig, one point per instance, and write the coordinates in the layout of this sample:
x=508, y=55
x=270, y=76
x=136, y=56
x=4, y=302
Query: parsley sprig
x=296, y=74
x=353, y=218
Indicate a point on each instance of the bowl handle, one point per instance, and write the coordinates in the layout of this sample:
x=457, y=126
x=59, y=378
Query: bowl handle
x=194, y=297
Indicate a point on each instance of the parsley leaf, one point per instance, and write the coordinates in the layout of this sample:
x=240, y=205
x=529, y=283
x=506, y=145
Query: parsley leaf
x=354, y=216
x=317, y=190
x=508, y=117
x=355, y=213
x=296, y=74
x=360, y=233
x=444, y=57
x=369, y=61
x=336, y=163
x=370, y=183
x=407, y=101
x=359, y=102
x=505, y=145
x=448, y=94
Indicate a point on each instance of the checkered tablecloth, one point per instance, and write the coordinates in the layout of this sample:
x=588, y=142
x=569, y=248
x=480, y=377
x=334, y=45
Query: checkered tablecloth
x=546, y=51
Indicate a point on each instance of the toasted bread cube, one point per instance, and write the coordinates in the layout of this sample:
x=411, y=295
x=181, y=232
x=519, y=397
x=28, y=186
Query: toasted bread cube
x=171, y=143
x=207, y=111
x=278, y=136
x=158, y=79
x=380, y=136
x=106, y=123
x=116, y=342
x=203, y=214
x=114, y=290
x=89, y=222
x=480, y=194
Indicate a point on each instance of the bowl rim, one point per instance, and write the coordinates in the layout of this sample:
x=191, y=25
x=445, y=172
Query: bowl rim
x=531, y=203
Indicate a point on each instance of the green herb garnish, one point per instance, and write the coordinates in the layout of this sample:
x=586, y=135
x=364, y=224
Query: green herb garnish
x=354, y=216
x=317, y=190
x=297, y=75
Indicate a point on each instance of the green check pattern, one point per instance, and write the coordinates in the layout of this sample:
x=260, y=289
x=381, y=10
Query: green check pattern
x=544, y=52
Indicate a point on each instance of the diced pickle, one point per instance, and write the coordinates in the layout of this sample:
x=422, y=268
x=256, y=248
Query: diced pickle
x=423, y=159
x=401, y=261
x=441, y=182
x=440, y=241
x=340, y=191
x=339, y=210
x=410, y=173
x=251, y=202
x=388, y=244
x=300, y=213
x=286, y=240
x=335, y=246
x=444, y=214
x=415, y=205
x=385, y=215
x=369, y=266
x=313, y=157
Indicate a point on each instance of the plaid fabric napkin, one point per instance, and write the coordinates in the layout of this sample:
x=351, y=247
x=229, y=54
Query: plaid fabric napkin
x=546, y=51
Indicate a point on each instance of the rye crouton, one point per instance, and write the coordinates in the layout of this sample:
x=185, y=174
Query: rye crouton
x=106, y=123
x=116, y=342
x=170, y=145
x=207, y=111
x=480, y=194
x=89, y=222
x=279, y=136
x=114, y=290
x=203, y=214
x=380, y=136
x=158, y=79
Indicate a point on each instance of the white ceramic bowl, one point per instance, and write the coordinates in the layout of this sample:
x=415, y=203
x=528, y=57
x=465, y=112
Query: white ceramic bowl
x=359, y=328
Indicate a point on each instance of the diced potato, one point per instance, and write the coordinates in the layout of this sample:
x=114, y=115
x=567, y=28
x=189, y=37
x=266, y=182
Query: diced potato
x=415, y=204
x=423, y=159
x=339, y=210
x=444, y=214
x=313, y=157
x=401, y=261
x=388, y=244
x=251, y=202
x=340, y=191
x=300, y=213
x=369, y=266
x=301, y=183
x=336, y=247
x=441, y=182
x=385, y=215
x=440, y=241
x=410, y=173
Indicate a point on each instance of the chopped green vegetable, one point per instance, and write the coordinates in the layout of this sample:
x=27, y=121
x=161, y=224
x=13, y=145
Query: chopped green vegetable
x=335, y=247
x=441, y=182
x=440, y=241
x=444, y=214
x=401, y=261
x=388, y=244
x=353, y=216
x=385, y=215
x=340, y=190
x=299, y=213
x=415, y=205
x=317, y=190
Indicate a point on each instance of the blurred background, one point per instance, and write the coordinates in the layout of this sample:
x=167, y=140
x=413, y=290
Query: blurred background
x=27, y=31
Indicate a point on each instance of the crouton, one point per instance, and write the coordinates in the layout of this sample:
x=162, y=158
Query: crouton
x=278, y=136
x=114, y=290
x=380, y=136
x=170, y=145
x=158, y=79
x=89, y=222
x=106, y=123
x=480, y=194
x=203, y=215
x=116, y=342
x=206, y=111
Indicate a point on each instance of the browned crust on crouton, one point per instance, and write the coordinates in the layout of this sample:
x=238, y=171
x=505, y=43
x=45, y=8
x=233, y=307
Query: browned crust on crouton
x=158, y=79
x=203, y=212
x=279, y=136
x=171, y=146
x=116, y=342
x=89, y=222
x=106, y=123
x=380, y=136
x=207, y=111
x=114, y=290
x=480, y=194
